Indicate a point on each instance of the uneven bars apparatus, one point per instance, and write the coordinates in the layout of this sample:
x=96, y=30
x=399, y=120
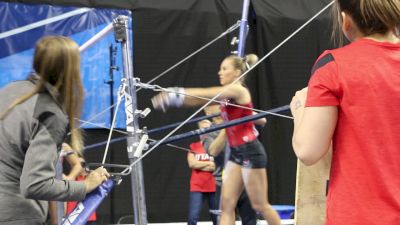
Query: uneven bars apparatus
x=84, y=209
x=243, y=28
x=241, y=47
x=136, y=138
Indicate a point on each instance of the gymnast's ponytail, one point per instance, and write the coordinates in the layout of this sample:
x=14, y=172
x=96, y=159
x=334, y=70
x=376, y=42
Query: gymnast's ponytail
x=250, y=60
x=243, y=64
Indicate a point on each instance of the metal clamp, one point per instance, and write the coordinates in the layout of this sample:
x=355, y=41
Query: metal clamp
x=141, y=145
x=142, y=113
x=234, y=41
x=120, y=26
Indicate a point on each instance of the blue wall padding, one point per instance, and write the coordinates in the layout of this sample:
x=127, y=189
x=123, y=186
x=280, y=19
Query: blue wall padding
x=16, y=50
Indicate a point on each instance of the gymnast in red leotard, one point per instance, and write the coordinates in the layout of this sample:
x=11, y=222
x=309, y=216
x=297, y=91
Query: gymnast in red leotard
x=246, y=168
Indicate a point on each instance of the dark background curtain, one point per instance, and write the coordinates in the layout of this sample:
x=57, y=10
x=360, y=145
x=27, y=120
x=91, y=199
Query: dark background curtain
x=167, y=31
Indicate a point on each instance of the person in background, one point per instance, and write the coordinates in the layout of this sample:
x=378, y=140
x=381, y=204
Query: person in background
x=202, y=182
x=70, y=206
x=74, y=161
x=246, y=168
x=57, y=209
x=35, y=116
x=353, y=103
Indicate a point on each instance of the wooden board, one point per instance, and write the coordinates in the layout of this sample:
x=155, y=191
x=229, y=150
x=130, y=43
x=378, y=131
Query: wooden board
x=311, y=182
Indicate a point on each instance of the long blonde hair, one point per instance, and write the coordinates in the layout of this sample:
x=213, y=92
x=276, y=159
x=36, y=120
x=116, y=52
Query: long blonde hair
x=370, y=16
x=57, y=61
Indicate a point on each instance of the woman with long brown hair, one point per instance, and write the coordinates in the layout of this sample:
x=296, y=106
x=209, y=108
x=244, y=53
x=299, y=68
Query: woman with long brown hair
x=36, y=115
x=352, y=103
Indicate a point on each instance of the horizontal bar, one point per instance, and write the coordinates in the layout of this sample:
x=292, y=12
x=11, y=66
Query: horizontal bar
x=231, y=123
x=173, y=125
x=96, y=37
x=166, y=127
x=104, y=143
x=198, y=131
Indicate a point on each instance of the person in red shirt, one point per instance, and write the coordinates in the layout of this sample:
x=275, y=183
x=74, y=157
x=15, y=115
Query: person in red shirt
x=57, y=209
x=246, y=168
x=80, y=177
x=202, y=181
x=352, y=103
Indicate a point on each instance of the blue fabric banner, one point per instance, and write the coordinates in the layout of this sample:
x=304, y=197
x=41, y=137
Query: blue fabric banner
x=23, y=25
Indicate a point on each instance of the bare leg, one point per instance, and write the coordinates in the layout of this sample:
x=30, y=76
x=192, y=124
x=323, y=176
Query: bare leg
x=256, y=185
x=232, y=186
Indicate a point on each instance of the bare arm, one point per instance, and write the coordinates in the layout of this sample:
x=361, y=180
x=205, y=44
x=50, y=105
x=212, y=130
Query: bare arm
x=74, y=162
x=76, y=167
x=200, y=165
x=218, y=144
x=235, y=91
x=260, y=122
x=177, y=97
x=313, y=129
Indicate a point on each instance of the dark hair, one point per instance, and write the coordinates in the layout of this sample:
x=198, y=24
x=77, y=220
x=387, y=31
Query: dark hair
x=370, y=16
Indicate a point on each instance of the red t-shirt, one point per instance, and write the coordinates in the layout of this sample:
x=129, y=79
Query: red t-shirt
x=363, y=80
x=71, y=205
x=241, y=133
x=201, y=181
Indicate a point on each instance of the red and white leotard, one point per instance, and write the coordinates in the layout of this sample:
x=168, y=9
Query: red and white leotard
x=242, y=133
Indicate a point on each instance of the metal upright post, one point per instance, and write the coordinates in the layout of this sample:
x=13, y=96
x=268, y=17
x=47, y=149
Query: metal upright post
x=110, y=81
x=243, y=28
x=132, y=126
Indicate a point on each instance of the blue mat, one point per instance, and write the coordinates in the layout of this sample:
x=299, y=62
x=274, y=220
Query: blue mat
x=284, y=211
